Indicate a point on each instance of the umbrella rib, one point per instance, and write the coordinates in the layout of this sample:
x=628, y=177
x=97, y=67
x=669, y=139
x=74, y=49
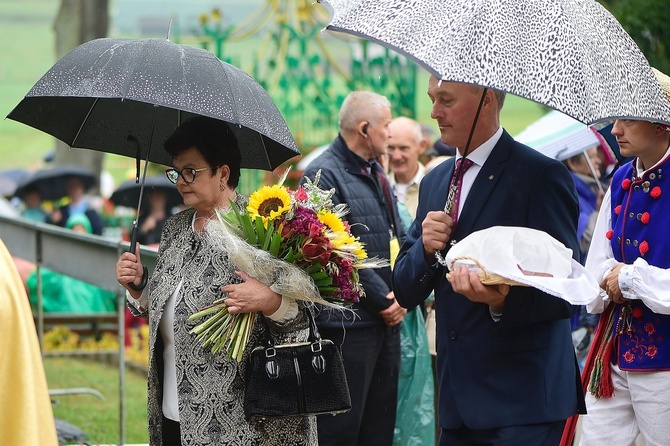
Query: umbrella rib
x=265, y=151
x=83, y=122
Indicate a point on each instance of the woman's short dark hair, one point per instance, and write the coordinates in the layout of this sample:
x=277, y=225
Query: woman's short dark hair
x=213, y=138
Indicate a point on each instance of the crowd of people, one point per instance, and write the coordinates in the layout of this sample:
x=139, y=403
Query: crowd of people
x=429, y=359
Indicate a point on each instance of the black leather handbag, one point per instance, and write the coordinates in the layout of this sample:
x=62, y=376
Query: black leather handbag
x=299, y=379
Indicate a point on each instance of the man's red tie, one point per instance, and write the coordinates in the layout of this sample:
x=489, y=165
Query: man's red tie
x=457, y=179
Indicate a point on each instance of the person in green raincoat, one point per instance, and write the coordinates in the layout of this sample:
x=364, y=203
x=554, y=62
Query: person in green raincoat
x=63, y=294
x=415, y=419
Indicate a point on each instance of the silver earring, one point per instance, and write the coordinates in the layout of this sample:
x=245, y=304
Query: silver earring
x=223, y=186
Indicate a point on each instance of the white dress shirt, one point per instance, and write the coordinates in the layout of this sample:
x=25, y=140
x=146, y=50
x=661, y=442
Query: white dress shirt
x=288, y=310
x=478, y=156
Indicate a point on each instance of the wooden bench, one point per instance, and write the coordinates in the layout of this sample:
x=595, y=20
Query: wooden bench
x=92, y=324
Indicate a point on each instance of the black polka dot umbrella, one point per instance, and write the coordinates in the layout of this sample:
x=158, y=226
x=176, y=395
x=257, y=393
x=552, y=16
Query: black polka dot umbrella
x=126, y=96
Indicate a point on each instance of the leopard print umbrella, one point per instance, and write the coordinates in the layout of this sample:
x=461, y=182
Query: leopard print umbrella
x=571, y=55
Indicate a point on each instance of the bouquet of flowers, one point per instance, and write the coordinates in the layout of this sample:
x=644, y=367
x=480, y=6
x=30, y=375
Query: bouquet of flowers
x=297, y=243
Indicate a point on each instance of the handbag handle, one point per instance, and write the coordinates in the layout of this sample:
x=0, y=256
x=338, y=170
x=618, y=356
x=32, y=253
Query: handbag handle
x=314, y=335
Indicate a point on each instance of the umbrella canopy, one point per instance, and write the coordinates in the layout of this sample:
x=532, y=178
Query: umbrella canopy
x=10, y=180
x=126, y=96
x=52, y=183
x=571, y=55
x=558, y=136
x=128, y=193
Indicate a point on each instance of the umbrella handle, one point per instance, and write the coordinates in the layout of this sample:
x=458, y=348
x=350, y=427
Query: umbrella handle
x=145, y=275
x=145, y=271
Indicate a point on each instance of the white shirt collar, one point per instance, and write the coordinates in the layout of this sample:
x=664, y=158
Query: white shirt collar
x=416, y=180
x=481, y=153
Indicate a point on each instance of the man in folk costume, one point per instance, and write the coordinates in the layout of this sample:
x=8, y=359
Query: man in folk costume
x=629, y=388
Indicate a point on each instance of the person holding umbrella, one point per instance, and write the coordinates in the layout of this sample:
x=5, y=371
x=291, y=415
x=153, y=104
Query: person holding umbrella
x=629, y=361
x=152, y=221
x=79, y=204
x=196, y=397
x=31, y=207
x=162, y=197
x=506, y=365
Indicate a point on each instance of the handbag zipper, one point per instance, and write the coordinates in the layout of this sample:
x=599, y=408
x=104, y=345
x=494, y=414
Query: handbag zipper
x=301, y=392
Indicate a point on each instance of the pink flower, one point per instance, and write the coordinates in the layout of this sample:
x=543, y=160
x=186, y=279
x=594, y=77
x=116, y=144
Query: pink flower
x=300, y=194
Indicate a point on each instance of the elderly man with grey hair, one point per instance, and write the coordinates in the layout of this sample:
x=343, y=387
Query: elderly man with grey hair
x=369, y=335
x=406, y=145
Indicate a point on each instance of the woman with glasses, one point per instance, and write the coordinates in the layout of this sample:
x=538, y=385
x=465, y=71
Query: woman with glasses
x=196, y=397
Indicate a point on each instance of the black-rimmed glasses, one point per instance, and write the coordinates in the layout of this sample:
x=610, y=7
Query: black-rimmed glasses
x=188, y=174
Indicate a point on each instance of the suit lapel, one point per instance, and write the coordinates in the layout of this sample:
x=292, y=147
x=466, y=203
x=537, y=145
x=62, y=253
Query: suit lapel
x=484, y=185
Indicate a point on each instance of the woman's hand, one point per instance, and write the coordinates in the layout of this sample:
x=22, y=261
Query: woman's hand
x=129, y=269
x=250, y=295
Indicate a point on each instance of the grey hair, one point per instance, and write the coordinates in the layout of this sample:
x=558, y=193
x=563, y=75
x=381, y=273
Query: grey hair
x=361, y=106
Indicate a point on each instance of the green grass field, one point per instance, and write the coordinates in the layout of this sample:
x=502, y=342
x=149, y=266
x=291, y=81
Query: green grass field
x=28, y=52
x=98, y=419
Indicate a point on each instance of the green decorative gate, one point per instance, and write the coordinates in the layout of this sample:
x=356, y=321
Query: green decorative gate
x=308, y=72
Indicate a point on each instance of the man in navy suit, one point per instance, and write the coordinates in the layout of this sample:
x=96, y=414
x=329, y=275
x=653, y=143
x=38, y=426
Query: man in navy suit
x=506, y=365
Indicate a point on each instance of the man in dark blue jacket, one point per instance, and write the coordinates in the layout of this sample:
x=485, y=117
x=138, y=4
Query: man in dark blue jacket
x=370, y=335
x=506, y=366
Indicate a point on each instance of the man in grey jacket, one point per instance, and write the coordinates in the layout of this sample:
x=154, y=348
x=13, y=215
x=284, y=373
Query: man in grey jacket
x=370, y=335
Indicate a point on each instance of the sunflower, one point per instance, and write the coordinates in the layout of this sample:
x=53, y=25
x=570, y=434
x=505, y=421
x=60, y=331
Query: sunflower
x=269, y=202
x=332, y=220
x=337, y=231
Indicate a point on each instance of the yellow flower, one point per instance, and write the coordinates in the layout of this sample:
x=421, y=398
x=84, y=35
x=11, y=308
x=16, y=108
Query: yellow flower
x=331, y=220
x=359, y=251
x=269, y=202
x=335, y=229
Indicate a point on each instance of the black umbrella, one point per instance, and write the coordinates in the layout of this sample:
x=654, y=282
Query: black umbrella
x=128, y=193
x=52, y=183
x=10, y=179
x=127, y=96
x=111, y=94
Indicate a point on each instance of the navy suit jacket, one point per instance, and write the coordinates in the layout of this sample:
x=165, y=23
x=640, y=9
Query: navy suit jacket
x=522, y=369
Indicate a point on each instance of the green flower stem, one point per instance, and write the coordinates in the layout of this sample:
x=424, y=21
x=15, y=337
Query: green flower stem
x=205, y=326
